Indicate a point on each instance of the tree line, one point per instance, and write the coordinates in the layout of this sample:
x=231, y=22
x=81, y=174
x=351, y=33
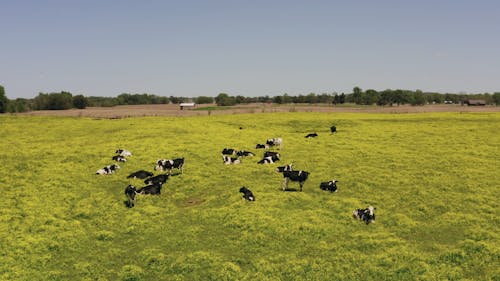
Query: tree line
x=66, y=100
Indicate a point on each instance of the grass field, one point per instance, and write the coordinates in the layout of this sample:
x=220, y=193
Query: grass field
x=433, y=177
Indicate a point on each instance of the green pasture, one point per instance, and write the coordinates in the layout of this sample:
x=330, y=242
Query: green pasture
x=433, y=177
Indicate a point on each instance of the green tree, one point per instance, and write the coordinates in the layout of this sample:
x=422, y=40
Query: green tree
x=80, y=102
x=418, y=98
x=356, y=95
x=496, y=98
x=4, y=101
x=203, y=99
x=224, y=99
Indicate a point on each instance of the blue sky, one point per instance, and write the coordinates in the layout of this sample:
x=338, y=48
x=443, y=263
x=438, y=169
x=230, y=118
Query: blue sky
x=249, y=48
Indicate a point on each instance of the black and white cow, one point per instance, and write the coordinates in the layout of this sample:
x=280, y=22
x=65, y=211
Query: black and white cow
x=281, y=169
x=130, y=192
x=230, y=160
x=159, y=179
x=312, y=135
x=247, y=194
x=154, y=189
x=367, y=215
x=275, y=142
x=141, y=174
x=244, y=153
x=295, y=176
x=123, y=152
x=228, y=151
x=271, y=153
x=259, y=145
x=108, y=170
x=329, y=186
x=333, y=129
x=119, y=158
x=167, y=165
x=269, y=159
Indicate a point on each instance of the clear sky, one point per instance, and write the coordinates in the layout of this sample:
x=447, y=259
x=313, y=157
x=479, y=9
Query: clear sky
x=250, y=48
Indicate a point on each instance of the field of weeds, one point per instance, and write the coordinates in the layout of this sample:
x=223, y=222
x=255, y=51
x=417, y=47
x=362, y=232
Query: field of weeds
x=433, y=178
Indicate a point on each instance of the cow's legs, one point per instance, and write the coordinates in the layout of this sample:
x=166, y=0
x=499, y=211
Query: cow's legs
x=301, y=184
x=285, y=184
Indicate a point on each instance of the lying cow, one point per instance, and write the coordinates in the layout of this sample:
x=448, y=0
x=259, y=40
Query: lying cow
x=244, y=153
x=281, y=169
x=167, y=165
x=228, y=151
x=333, y=129
x=247, y=194
x=159, y=179
x=123, y=152
x=108, y=170
x=271, y=153
x=265, y=146
x=130, y=192
x=119, y=158
x=141, y=174
x=329, y=186
x=154, y=189
x=312, y=135
x=230, y=160
x=367, y=215
x=295, y=176
x=275, y=142
x=269, y=159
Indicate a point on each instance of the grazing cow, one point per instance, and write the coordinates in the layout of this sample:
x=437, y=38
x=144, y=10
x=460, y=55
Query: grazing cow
x=123, y=152
x=228, y=151
x=159, y=179
x=140, y=175
x=367, y=215
x=130, y=192
x=296, y=176
x=167, y=165
x=265, y=146
x=281, y=169
x=244, y=153
x=271, y=153
x=119, y=158
x=275, y=142
x=230, y=160
x=247, y=194
x=329, y=186
x=333, y=129
x=313, y=135
x=108, y=170
x=269, y=159
x=154, y=189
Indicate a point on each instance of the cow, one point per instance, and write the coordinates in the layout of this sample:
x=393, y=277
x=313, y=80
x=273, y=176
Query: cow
x=275, y=142
x=333, y=129
x=329, y=186
x=167, y=165
x=154, y=189
x=159, y=179
x=228, y=151
x=281, y=169
x=269, y=159
x=244, y=153
x=367, y=215
x=296, y=176
x=312, y=135
x=130, y=192
x=141, y=174
x=259, y=146
x=108, y=170
x=119, y=158
x=247, y=194
x=271, y=153
x=123, y=152
x=230, y=160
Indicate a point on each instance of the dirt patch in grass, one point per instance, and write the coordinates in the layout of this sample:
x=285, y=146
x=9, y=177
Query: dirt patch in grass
x=124, y=111
x=191, y=202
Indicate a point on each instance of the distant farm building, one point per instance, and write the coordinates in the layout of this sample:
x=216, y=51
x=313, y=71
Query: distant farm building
x=187, y=105
x=475, y=102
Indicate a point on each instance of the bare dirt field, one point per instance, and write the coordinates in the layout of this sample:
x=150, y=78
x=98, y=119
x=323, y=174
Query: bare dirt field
x=124, y=111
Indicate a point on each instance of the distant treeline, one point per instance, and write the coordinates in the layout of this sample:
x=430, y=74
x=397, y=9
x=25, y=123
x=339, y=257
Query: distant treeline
x=66, y=100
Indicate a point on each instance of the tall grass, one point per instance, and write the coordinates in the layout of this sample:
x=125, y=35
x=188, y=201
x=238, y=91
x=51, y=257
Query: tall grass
x=432, y=177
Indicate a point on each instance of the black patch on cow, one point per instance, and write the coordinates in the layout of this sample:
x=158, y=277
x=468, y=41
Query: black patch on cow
x=130, y=192
x=295, y=176
x=154, y=189
x=119, y=158
x=329, y=186
x=228, y=151
x=333, y=129
x=159, y=179
x=140, y=174
x=244, y=153
x=247, y=194
x=312, y=135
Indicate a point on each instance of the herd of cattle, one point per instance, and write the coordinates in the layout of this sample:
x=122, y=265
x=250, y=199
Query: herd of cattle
x=154, y=183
